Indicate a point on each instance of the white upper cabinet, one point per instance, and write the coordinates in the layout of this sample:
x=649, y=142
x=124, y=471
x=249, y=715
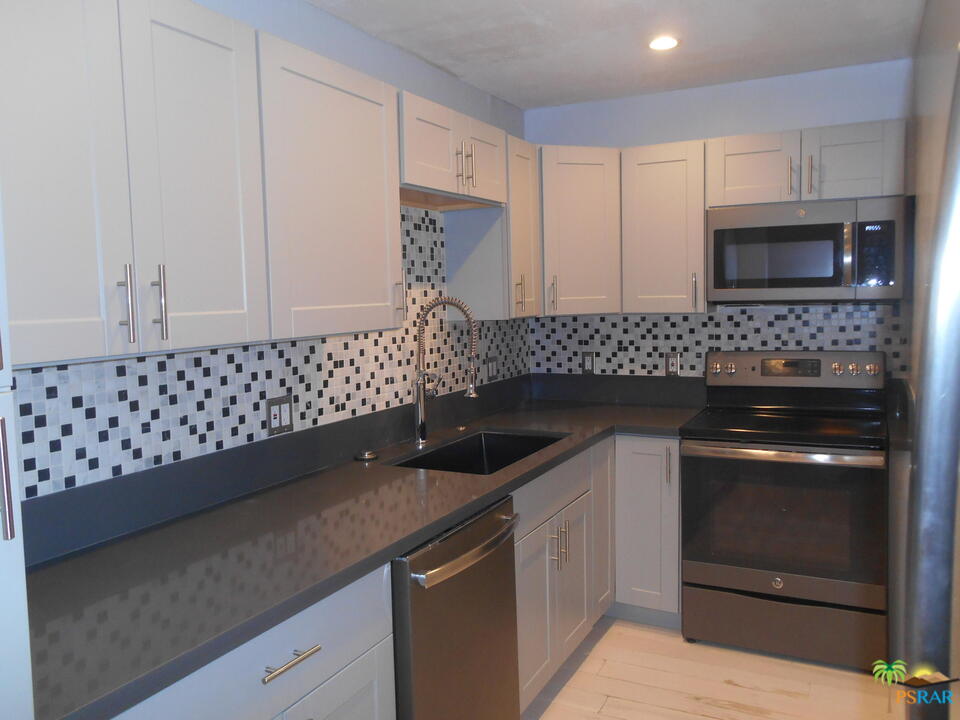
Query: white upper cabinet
x=581, y=229
x=858, y=160
x=193, y=130
x=444, y=150
x=524, y=211
x=486, y=161
x=331, y=183
x=663, y=233
x=63, y=180
x=744, y=169
x=647, y=522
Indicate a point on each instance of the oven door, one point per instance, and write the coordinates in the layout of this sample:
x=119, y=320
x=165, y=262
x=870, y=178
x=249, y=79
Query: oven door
x=803, y=523
x=782, y=253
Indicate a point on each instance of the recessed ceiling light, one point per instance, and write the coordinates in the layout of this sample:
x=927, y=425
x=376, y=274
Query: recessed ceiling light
x=664, y=42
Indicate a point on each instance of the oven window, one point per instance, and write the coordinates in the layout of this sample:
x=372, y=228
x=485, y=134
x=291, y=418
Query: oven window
x=819, y=521
x=786, y=256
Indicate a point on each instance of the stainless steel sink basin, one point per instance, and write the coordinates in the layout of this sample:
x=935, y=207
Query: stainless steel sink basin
x=482, y=453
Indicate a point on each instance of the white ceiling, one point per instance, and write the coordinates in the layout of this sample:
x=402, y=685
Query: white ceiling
x=552, y=52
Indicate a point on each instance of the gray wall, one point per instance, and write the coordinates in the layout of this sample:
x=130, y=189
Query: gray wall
x=879, y=91
x=304, y=24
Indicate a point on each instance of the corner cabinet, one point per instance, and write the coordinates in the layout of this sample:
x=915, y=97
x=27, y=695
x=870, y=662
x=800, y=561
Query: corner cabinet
x=351, y=675
x=581, y=229
x=663, y=228
x=444, y=150
x=526, y=254
x=332, y=207
x=838, y=161
x=648, y=522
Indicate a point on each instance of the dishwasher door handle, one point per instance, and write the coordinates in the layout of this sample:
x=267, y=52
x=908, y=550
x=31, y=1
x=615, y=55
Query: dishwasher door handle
x=456, y=566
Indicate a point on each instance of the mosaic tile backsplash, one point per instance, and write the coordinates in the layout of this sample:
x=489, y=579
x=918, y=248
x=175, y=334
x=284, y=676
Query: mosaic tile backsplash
x=87, y=422
x=635, y=344
x=78, y=424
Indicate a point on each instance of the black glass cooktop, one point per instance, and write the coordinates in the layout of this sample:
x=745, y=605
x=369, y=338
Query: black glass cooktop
x=826, y=429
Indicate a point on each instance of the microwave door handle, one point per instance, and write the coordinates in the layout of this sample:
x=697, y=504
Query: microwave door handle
x=848, y=254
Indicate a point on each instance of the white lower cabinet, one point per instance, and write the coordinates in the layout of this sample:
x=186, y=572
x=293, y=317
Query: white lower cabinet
x=559, y=596
x=350, y=673
x=604, y=567
x=363, y=690
x=647, y=522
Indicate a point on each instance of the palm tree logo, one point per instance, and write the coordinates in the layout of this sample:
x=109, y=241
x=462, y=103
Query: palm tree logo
x=888, y=673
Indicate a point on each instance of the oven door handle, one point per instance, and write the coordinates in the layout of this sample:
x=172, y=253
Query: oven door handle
x=876, y=459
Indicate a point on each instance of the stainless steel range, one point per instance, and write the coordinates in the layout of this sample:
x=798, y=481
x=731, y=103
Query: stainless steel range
x=784, y=506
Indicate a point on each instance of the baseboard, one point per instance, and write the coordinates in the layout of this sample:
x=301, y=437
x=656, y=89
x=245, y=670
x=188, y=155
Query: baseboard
x=645, y=616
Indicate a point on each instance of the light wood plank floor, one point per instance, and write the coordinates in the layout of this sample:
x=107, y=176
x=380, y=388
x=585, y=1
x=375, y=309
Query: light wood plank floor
x=626, y=671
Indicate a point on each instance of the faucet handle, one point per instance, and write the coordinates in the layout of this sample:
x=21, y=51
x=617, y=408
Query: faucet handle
x=433, y=381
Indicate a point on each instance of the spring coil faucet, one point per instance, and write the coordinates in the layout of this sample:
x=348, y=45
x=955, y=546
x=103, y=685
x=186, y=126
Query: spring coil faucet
x=423, y=377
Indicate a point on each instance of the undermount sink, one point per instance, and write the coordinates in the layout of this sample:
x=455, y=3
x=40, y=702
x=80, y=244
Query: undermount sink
x=482, y=453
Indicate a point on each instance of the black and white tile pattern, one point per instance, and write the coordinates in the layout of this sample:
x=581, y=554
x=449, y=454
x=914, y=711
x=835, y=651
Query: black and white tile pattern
x=635, y=344
x=86, y=422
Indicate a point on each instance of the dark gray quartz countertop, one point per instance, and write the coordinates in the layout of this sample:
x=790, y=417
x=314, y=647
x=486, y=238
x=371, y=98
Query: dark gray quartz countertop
x=114, y=625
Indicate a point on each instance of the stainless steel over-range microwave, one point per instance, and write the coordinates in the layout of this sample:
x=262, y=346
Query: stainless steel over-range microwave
x=817, y=251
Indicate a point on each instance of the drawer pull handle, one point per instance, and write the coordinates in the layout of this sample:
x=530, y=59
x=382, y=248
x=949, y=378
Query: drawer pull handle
x=273, y=673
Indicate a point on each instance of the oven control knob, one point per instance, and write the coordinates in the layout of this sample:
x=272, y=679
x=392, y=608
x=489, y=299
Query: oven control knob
x=854, y=368
x=872, y=369
x=715, y=368
x=777, y=583
x=730, y=368
x=838, y=368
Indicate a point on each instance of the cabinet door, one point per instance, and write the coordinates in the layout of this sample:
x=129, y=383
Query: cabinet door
x=647, y=522
x=663, y=235
x=63, y=180
x=858, y=160
x=333, y=210
x=537, y=558
x=432, y=134
x=486, y=148
x=601, y=490
x=575, y=579
x=193, y=130
x=363, y=690
x=524, y=213
x=745, y=169
x=581, y=229
x=16, y=690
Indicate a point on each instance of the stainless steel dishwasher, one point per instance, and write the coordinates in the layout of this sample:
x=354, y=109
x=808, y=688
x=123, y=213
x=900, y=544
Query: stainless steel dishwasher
x=455, y=623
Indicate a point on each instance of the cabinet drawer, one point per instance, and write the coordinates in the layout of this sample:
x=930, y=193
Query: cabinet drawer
x=363, y=689
x=345, y=624
x=541, y=499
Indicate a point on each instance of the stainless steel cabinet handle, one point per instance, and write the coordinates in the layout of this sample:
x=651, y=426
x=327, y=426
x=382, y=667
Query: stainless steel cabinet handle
x=809, y=174
x=273, y=673
x=565, y=545
x=693, y=280
x=518, y=295
x=554, y=290
x=127, y=283
x=7, y=493
x=461, y=165
x=523, y=293
x=557, y=558
x=164, y=320
x=789, y=175
x=401, y=302
x=669, y=463
x=473, y=165
x=469, y=558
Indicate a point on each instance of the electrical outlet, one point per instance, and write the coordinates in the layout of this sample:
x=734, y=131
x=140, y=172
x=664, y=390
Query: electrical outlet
x=493, y=368
x=588, y=362
x=672, y=366
x=279, y=415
